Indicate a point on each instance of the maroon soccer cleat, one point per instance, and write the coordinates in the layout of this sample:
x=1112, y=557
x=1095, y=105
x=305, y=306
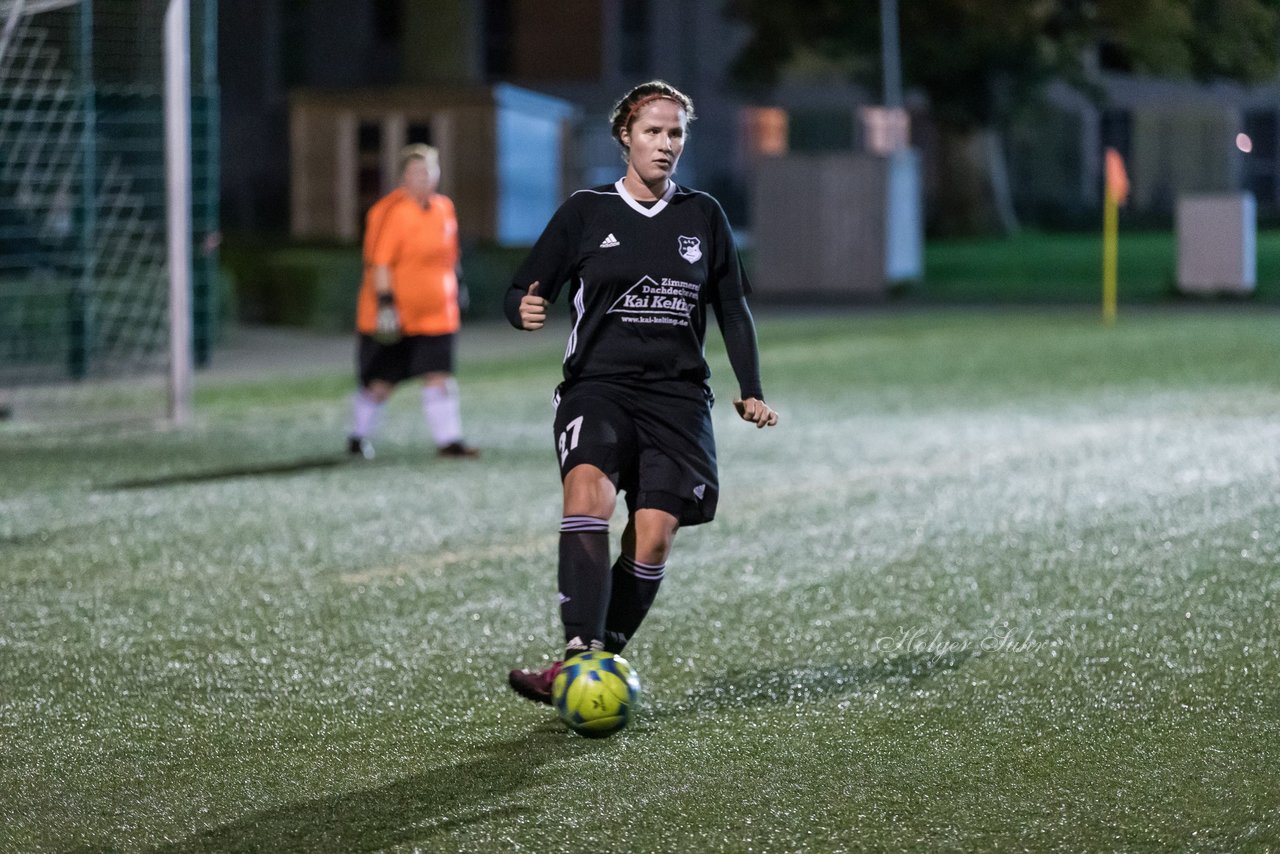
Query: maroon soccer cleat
x=534, y=684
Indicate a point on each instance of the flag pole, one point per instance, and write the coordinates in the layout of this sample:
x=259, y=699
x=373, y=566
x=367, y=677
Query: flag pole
x=1110, y=256
x=1115, y=193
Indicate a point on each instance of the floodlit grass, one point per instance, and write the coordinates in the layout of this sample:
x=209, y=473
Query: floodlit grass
x=999, y=581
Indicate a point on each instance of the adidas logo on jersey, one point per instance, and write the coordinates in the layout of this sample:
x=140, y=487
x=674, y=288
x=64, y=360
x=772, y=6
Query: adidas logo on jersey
x=609, y=242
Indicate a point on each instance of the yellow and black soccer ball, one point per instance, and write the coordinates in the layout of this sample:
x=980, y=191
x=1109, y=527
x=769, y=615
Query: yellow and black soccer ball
x=595, y=693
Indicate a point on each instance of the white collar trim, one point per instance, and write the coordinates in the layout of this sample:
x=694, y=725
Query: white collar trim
x=639, y=208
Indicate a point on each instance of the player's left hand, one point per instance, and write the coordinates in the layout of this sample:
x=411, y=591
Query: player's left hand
x=756, y=411
x=387, y=322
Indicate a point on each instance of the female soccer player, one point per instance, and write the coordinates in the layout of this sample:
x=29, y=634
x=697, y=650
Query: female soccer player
x=407, y=312
x=643, y=259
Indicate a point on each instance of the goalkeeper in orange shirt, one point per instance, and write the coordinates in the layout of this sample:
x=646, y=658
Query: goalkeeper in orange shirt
x=407, y=314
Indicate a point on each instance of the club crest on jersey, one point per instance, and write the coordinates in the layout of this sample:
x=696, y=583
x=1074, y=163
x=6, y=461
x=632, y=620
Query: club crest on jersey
x=690, y=248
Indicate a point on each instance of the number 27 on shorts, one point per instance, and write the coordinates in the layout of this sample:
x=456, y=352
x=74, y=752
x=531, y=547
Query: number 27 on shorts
x=569, y=437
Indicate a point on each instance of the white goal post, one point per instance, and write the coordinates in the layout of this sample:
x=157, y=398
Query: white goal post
x=109, y=284
x=177, y=147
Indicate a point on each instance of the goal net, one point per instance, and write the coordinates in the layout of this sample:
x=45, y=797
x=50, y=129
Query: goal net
x=84, y=279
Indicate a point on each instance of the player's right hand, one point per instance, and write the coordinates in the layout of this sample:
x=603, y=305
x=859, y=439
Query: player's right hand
x=533, y=309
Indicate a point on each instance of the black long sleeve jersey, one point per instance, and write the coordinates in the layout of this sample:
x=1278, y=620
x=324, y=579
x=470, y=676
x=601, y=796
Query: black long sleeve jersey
x=640, y=279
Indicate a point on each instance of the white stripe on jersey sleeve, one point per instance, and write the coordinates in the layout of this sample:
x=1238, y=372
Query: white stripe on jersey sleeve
x=579, y=309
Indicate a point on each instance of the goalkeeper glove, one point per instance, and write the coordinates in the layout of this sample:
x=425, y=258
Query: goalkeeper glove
x=387, y=326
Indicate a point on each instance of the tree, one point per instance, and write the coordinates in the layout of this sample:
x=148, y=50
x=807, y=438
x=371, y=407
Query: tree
x=978, y=61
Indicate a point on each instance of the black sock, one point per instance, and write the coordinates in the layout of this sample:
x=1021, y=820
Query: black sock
x=584, y=581
x=635, y=586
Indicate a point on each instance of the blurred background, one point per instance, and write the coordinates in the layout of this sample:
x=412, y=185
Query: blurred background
x=943, y=152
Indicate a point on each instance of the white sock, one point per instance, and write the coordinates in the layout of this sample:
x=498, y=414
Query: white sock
x=443, y=411
x=365, y=413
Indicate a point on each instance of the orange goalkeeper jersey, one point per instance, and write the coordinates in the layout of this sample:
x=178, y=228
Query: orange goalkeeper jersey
x=420, y=246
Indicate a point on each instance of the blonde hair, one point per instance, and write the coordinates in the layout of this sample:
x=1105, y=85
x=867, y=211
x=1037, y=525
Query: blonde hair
x=418, y=151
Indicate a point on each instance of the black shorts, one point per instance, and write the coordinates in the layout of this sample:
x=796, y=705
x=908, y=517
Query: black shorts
x=657, y=448
x=411, y=356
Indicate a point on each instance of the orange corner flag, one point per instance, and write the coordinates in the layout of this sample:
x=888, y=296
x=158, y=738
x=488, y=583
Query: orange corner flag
x=1117, y=179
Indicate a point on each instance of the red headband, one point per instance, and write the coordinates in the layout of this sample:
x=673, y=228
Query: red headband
x=647, y=99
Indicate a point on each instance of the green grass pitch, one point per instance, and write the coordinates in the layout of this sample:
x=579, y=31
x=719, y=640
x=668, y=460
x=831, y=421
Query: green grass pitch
x=1000, y=580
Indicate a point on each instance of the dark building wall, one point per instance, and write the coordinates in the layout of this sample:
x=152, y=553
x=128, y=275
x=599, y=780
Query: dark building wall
x=557, y=41
x=254, y=174
x=442, y=42
x=266, y=48
x=588, y=52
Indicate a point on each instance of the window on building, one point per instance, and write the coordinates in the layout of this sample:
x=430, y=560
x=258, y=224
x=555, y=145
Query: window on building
x=885, y=129
x=764, y=131
x=369, y=164
x=418, y=132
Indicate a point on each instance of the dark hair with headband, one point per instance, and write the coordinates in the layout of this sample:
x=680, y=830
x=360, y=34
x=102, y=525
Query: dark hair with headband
x=624, y=112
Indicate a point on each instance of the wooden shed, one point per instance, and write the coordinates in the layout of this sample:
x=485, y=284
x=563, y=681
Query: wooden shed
x=504, y=153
